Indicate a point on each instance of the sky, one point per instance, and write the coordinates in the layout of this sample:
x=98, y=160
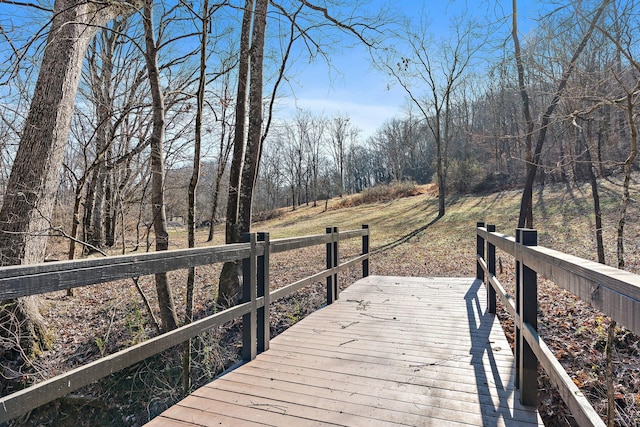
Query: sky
x=368, y=96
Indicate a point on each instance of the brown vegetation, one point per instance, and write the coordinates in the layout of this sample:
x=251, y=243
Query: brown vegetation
x=380, y=193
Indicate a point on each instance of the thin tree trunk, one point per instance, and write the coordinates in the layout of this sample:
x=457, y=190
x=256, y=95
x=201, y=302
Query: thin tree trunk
x=193, y=185
x=102, y=73
x=596, y=205
x=627, y=177
x=223, y=156
x=611, y=399
x=524, y=94
x=109, y=209
x=88, y=207
x=214, y=206
x=525, y=218
x=633, y=152
x=229, y=283
x=601, y=259
x=165, y=297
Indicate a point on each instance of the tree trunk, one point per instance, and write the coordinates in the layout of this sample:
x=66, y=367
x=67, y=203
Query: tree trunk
x=633, y=152
x=254, y=132
x=165, y=296
x=216, y=197
x=33, y=183
x=525, y=219
x=596, y=204
x=88, y=208
x=193, y=186
x=110, y=209
x=524, y=94
x=102, y=76
x=229, y=284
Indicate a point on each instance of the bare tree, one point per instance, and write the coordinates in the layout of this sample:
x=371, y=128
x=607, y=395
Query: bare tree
x=228, y=286
x=224, y=147
x=525, y=218
x=314, y=143
x=32, y=186
x=163, y=288
x=440, y=70
x=244, y=168
x=342, y=134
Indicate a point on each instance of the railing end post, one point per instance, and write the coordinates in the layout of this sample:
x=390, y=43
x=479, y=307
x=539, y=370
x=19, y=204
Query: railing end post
x=249, y=292
x=330, y=249
x=336, y=262
x=527, y=304
x=479, y=253
x=491, y=266
x=365, y=250
x=264, y=312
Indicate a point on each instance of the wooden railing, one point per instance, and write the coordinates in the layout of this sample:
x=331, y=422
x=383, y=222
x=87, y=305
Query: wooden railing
x=614, y=292
x=254, y=252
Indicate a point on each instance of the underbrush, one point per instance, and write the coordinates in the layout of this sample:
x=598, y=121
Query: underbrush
x=379, y=193
x=268, y=214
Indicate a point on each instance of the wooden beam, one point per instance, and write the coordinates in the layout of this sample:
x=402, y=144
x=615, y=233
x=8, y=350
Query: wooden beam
x=283, y=245
x=291, y=288
x=18, y=281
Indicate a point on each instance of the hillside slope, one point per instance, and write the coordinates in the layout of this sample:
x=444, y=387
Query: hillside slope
x=406, y=229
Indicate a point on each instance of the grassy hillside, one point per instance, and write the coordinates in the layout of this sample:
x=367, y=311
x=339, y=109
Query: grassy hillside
x=409, y=241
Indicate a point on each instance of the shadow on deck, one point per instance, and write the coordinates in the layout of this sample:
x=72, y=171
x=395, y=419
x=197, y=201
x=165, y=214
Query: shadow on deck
x=392, y=351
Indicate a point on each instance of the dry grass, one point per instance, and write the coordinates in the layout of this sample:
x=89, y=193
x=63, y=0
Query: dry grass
x=378, y=194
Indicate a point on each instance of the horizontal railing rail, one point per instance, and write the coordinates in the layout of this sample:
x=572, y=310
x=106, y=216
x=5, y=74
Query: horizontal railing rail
x=614, y=292
x=254, y=252
x=19, y=281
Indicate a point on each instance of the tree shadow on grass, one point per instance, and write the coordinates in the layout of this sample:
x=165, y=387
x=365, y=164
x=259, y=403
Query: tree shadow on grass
x=406, y=237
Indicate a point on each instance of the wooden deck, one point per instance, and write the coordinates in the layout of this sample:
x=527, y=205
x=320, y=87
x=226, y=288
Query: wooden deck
x=391, y=351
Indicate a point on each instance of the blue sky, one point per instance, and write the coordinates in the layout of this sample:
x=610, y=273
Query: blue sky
x=368, y=96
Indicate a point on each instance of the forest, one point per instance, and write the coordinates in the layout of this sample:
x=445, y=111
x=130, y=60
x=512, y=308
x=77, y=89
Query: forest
x=123, y=120
x=482, y=108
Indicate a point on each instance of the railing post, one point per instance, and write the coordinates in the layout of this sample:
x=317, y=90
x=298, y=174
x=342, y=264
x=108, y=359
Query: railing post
x=479, y=252
x=336, y=261
x=518, y=312
x=365, y=251
x=330, y=294
x=528, y=304
x=263, y=332
x=249, y=279
x=491, y=265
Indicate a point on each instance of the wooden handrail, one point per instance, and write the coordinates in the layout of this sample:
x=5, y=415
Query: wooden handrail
x=614, y=292
x=17, y=281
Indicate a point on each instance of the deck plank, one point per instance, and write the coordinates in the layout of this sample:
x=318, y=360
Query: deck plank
x=392, y=351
